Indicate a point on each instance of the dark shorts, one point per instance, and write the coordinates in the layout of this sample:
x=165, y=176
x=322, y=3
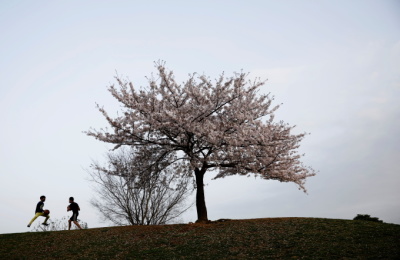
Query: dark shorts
x=74, y=217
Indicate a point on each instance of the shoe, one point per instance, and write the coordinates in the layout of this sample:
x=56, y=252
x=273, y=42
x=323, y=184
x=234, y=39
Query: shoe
x=29, y=225
x=45, y=224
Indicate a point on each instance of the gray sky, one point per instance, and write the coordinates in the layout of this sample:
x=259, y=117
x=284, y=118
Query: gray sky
x=335, y=66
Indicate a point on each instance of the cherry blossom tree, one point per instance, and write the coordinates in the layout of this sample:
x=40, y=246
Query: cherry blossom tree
x=223, y=125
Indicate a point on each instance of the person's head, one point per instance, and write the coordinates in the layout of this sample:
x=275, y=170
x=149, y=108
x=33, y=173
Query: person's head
x=71, y=199
x=42, y=198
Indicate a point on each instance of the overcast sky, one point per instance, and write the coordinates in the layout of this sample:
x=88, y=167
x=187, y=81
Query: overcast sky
x=335, y=66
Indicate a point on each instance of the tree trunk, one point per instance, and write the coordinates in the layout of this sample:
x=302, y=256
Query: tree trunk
x=200, y=201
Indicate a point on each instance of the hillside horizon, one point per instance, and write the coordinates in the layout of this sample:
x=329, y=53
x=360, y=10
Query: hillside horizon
x=280, y=238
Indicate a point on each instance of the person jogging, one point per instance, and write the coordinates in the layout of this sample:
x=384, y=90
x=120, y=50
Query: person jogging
x=39, y=212
x=74, y=207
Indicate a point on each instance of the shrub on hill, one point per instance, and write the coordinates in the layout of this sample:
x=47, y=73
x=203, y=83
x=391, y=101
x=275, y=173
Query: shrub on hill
x=367, y=218
x=57, y=225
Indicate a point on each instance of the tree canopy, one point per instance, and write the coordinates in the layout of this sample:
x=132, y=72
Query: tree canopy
x=140, y=187
x=223, y=125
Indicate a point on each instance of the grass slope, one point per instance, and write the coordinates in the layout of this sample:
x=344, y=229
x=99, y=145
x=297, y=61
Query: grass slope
x=280, y=238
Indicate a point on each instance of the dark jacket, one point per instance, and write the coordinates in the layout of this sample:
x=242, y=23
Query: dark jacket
x=39, y=207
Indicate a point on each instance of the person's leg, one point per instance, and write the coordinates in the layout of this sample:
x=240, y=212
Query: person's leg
x=77, y=223
x=47, y=217
x=74, y=219
x=35, y=217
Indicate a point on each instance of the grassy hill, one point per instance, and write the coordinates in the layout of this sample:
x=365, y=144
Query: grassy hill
x=279, y=238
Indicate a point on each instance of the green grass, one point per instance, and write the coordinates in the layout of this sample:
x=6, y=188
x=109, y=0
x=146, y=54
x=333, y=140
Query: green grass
x=270, y=238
